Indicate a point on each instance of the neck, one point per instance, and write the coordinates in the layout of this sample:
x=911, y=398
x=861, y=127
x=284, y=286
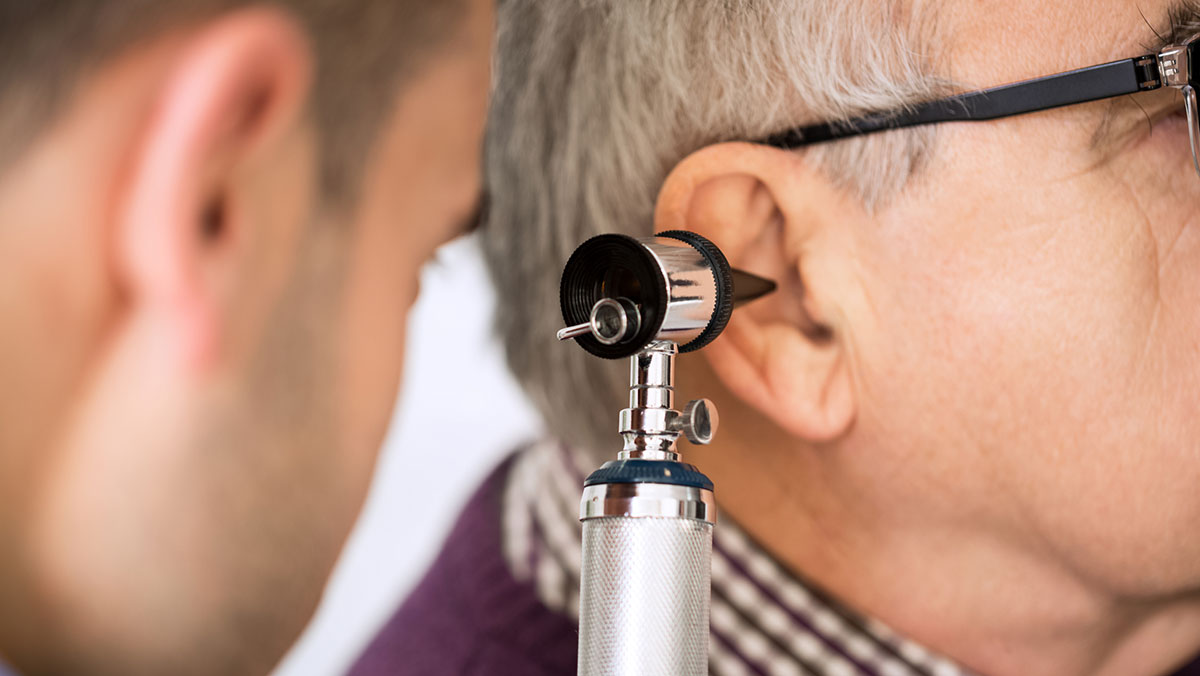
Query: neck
x=995, y=602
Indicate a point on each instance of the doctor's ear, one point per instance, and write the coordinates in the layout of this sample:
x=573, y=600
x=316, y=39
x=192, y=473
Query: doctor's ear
x=774, y=215
x=201, y=233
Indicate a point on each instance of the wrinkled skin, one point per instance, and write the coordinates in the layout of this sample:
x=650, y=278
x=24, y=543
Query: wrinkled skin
x=998, y=449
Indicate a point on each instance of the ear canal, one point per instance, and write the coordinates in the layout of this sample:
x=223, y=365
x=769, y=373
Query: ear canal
x=212, y=225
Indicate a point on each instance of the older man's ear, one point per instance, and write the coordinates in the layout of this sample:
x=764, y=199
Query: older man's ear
x=789, y=355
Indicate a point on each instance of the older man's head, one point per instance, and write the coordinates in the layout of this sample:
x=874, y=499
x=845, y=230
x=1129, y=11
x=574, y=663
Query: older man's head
x=976, y=385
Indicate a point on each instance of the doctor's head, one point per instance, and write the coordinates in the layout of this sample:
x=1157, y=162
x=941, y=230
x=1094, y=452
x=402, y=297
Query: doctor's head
x=212, y=214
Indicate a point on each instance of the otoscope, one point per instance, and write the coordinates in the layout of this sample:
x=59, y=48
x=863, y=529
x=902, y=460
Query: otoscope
x=647, y=516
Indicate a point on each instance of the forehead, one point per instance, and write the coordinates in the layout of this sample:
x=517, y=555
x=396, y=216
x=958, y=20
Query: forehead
x=989, y=42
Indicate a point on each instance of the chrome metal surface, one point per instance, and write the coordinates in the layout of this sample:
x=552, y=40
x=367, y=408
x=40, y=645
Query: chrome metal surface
x=647, y=500
x=649, y=449
x=614, y=320
x=648, y=425
x=650, y=421
x=574, y=331
x=669, y=290
x=645, y=580
x=649, y=434
x=651, y=425
x=644, y=597
x=691, y=287
x=647, y=547
x=1173, y=68
x=699, y=421
x=652, y=376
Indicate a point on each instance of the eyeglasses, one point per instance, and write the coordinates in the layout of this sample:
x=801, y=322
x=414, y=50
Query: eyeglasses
x=1175, y=66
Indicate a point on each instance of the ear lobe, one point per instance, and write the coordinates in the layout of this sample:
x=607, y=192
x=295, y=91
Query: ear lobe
x=804, y=388
x=774, y=216
x=232, y=93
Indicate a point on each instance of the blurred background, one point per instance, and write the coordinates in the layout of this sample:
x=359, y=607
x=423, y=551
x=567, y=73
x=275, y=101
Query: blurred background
x=439, y=428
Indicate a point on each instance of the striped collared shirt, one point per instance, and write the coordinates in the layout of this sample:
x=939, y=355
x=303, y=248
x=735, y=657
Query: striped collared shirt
x=764, y=620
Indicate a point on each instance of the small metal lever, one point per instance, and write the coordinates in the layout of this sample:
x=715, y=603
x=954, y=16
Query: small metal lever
x=698, y=421
x=612, y=321
x=574, y=331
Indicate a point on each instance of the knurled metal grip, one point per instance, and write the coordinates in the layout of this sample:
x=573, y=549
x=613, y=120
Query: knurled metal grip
x=644, y=597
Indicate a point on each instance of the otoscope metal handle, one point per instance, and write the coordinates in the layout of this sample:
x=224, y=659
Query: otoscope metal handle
x=647, y=517
x=646, y=585
x=647, y=536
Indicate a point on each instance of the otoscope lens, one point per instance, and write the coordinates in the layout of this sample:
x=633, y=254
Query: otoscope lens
x=609, y=322
x=614, y=320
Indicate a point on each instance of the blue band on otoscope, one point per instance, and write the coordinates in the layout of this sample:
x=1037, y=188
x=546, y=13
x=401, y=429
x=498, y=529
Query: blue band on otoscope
x=649, y=472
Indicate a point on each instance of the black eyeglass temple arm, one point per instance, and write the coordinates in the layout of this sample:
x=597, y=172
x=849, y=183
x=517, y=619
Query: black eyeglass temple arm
x=1094, y=83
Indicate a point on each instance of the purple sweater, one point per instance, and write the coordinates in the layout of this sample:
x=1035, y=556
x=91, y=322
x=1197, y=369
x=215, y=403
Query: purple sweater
x=469, y=615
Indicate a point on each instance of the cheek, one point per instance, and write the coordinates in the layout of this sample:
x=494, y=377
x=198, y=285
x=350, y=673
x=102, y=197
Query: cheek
x=406, y=211
x=380, y=289
x=1007, y=307
x=424, y=173
x=1052, y=282
x=1042, y=343
x=1007, y=311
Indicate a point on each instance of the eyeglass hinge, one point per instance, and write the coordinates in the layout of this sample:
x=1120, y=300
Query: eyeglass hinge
x=1174, y=66
x=1146, y=68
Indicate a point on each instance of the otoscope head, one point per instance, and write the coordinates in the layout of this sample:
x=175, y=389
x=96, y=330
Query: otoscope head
x=647, y=516
x=620, y=294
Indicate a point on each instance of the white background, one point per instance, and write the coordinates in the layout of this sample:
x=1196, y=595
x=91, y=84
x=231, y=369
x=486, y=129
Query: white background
x=458, y=415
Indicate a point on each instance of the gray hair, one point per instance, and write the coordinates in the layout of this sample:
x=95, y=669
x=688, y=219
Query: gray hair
x=596, y=100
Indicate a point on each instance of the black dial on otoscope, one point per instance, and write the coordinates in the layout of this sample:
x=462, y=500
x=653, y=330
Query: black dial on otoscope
x=722, y=278
x=622, y=268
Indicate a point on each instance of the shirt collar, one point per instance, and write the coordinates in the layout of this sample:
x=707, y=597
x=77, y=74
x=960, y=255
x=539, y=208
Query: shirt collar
x=764, y=619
